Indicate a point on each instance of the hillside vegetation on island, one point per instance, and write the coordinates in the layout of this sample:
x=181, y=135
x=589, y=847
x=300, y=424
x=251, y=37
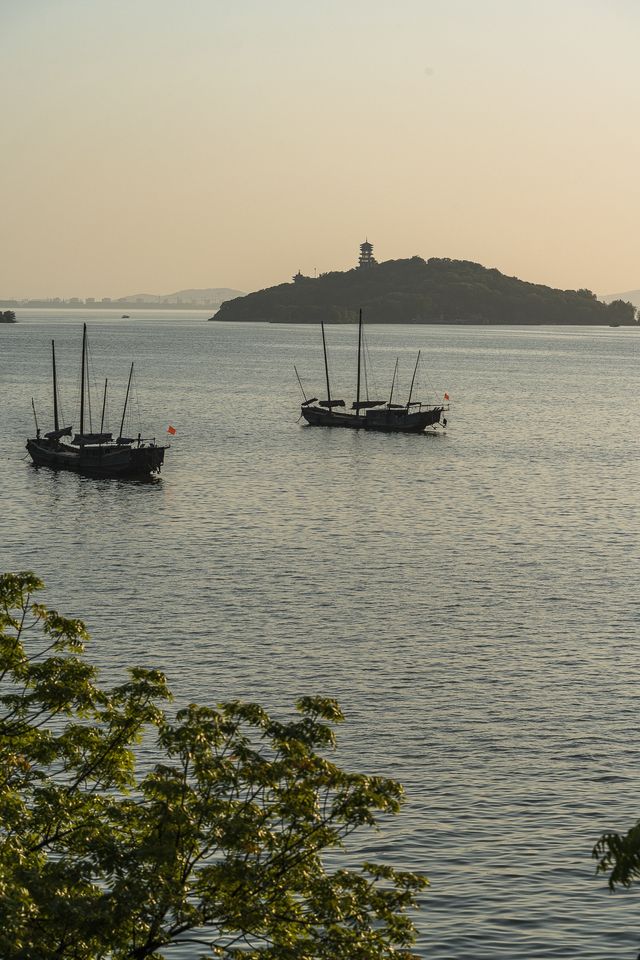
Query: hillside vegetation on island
x=419, y=291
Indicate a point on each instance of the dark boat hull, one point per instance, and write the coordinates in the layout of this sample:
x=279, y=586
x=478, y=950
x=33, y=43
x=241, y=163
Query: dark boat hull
x=385, y=420
x=109, y=461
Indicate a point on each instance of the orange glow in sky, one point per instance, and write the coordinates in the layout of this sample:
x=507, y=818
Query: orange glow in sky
x=150, y=146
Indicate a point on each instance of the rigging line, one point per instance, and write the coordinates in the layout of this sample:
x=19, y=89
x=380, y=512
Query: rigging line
x=126, y=399
x=370, y=369
x=59, y=398
x=56, y=414
x=105, y=419
x=365, y=364
x=420, y=380
x=374, y=382
x=393, y=381
x=326, y=365
x=135, y=395
x=89, y=410
x=104, y=405
x=35, y=416
x=79, y=397
x=60, y=406
x=429, y=387
x=300, y=382
x=430, y=390
x=90, y=376
x=415, y=370
x=365, y=373
x=138, y=403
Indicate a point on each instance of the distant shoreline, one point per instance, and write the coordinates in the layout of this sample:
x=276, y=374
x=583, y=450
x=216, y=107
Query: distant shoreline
x=117, y=307
x=146, y=313
x=437, y=323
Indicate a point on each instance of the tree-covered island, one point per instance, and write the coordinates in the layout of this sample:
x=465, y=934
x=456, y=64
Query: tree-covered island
x=7, y=316
x=418, y=291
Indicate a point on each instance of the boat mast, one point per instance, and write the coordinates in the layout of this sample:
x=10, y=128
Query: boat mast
x=56, y=425
x=415, y=370
x=126, y=400
x=393, y=381
x=359, y=352
x=104, y=403
x=82, y=376
x=35, y=417
x=326, y=367
x=300, y=383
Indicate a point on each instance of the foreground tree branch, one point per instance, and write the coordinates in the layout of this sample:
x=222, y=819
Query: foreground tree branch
x=221, y=844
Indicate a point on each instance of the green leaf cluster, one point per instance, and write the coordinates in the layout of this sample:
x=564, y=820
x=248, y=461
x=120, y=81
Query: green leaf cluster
x=221, y=844
x=619, y=856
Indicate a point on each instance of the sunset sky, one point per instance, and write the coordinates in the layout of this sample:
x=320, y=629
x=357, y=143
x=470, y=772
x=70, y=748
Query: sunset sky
x=152, y=145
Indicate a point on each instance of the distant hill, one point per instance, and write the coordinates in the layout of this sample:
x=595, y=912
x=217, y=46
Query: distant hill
x=210, y=296
x=633, y=296
x=419, y=291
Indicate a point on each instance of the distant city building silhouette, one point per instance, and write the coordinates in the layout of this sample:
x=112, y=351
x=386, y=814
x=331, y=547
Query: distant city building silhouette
x=366, y=258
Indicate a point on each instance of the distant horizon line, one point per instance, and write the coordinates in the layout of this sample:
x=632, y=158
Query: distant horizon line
x=112, y=307
x=213, y=297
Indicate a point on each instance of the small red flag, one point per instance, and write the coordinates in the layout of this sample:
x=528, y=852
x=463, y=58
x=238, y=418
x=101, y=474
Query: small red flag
x=446, y=396
x=171, y=430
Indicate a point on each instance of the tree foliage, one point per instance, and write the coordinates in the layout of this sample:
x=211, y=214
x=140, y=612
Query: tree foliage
x=221, y=844
x=619, y=856
x=438, y=290
x=7, y=316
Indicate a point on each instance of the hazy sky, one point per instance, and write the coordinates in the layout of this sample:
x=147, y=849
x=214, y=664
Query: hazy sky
x=154, y=145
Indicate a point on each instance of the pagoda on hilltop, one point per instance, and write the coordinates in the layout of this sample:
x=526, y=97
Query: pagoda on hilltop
x=366, y=258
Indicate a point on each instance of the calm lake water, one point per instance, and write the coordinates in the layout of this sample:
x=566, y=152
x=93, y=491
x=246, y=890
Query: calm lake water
x=471, y=599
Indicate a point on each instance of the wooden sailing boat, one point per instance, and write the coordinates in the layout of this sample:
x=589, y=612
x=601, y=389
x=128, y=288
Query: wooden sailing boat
x=381, y=415
x=94, y=454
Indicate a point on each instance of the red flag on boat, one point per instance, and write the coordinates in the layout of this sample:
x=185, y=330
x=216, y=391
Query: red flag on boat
x=446, y=396
x=171, y=430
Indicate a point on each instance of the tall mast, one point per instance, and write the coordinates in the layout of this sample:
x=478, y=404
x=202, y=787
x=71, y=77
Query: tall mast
x=359, y=352
x=326, y=366
x=56, y=425
x=82, y=376
x=104, y=403
x=126, y=400
x=393, y=381
x=415, y=370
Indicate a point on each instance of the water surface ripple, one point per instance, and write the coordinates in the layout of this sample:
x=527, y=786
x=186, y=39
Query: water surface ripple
x=470, y=599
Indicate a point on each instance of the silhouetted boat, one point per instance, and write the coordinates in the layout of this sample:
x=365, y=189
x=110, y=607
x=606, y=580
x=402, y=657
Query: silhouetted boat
x=381, y=415
x=93, y=454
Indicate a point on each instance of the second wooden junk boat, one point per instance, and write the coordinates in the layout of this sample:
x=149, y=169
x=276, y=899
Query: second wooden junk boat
x=94, y=454
x=381, y=415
